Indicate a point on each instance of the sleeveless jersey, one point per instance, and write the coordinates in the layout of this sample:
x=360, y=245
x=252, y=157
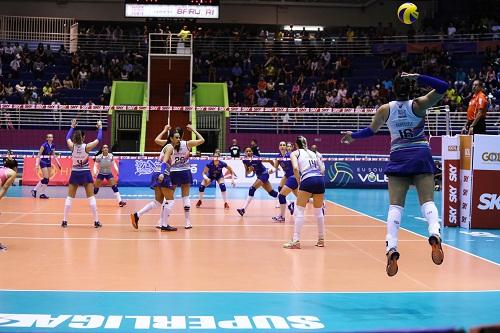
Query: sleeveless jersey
x=105, y=163
x=48, y=149
x=215, y=172
x=308, y=162
x=286, y=165
x=179, y=160
x=406, y=128
x=80, y=158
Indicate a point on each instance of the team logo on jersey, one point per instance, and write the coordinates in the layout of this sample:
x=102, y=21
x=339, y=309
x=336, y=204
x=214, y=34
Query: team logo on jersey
x=340, y=173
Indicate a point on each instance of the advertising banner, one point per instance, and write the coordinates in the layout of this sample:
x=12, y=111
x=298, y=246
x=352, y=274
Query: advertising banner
x=31, y=176
x=465, y=180
x=355, y=174
x=485, y=212
x=451, y=182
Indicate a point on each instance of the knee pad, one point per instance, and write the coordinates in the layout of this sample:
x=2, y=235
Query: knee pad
x=44, y=181
x=282, y=199
x=201, y=188
x=222, y=187
x=279, y=188
x=274, y=194
x=251, y=191
x=114, y=188
x=96, y=189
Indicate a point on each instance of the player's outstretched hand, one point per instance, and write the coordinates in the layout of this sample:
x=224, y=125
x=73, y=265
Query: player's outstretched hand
x=347, y=137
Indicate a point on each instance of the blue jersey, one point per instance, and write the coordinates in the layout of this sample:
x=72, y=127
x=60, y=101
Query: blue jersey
x=48, y=149
x=286, y=165
x=406, y=128
x=257, y=166
x=215, y=171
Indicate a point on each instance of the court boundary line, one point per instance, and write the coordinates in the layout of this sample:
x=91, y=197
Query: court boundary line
x=255, y=292
x=414, y=233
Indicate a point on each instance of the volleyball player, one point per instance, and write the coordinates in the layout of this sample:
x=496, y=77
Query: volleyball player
x=262, y=174
x=45, y=165
x=309, y=170
x=287, y=183
x=106, y=162
x=8, y=174
x=410, y=159
x=180, y=168
x=162, y=185
x=213, y=172
x=80, y=171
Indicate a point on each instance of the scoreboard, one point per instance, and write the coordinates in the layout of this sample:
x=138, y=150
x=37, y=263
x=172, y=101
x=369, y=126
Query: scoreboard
x=203, y=9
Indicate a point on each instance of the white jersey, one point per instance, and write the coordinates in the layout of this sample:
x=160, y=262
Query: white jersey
x=179, y=160
x=80, y=158
x=406, y=128
x=309, y=163
x=105, y=163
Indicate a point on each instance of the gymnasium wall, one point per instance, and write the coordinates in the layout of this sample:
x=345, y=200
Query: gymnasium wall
x=113, y=10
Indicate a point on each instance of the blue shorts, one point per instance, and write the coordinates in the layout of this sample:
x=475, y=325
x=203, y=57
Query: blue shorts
x=103, y=176
x=215, y=179
x=264, y=177
x=410, y=162
x=165, y=183
x=291, y=183
x=314, y=185
x=45, y=163
x=179, y=178
x=80, y=177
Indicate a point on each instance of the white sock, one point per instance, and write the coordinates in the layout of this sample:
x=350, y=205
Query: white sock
x=393, y=222
x=93, y=207
x=202, y=194
x=320, y=220
x=165, y=212
x=282, y=209
x=187, y=209
x=249, y=199
x=43, y=187
x=38, y=185
x=118, y=197
x=67, y=207
x=299, y=221
x=148, y=207
x=430, y=212
x=224, y=196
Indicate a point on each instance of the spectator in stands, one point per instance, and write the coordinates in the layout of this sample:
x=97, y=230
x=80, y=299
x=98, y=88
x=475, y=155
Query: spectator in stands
x=49, y=56
x=47, y=92
x=38, y=67
x=460, y=80
x=106, y=93
x=9, y=90
x=476, y=112
x=314, y=148
x=56, y=112
x=20, y=89
x=255, y=148
x=2, y=90
x=249, y=94
x=451, y=30
x=83, y=78
x=235, y=150
x=5, y=118
x=262, y=100
x=67, y=83
x=56, y=84
x=15, y=65
x=184, y=34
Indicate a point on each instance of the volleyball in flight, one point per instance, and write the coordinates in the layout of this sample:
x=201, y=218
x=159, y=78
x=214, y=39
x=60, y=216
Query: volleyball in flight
x=407, y=13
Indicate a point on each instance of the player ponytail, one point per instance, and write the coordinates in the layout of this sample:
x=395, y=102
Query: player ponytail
x=301, y=142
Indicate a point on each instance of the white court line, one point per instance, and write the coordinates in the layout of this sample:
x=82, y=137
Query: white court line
x=150, y=214
x=253, y=292
x=417, y=234
x=271, y=224
x=196, y=239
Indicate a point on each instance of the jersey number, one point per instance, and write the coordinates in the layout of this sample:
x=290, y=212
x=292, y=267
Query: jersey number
x=406, y=134
x=80, y=163
x=313, y=163
x=179, y=160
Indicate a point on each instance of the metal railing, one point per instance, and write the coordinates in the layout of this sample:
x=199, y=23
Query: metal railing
x=36, y=29
x=171, y=44
x=262, y=46
x=48, y=116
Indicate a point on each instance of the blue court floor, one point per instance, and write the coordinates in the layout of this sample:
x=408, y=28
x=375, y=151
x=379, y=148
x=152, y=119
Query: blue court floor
x=75, y=311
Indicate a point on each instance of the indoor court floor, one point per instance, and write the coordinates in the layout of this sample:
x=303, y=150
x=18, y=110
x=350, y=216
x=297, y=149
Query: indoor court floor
x=230, y=273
